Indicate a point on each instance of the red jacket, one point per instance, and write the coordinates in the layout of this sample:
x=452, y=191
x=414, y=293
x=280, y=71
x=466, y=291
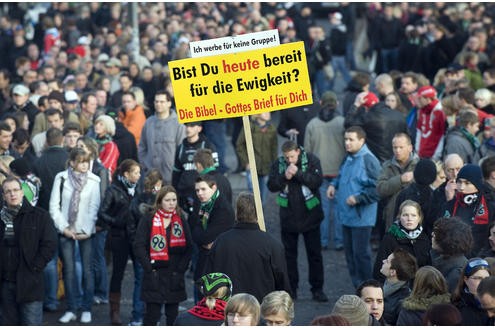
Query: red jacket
x=109, y=155
x=431, y=128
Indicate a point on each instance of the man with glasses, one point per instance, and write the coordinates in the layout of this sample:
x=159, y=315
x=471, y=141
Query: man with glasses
x=28, y=242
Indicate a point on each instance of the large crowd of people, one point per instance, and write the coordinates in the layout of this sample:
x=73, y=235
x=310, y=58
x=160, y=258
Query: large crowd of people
x=96, y=169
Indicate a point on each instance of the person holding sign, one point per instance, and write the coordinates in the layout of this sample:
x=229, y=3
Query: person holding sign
x=296, y=176
x=163, y=246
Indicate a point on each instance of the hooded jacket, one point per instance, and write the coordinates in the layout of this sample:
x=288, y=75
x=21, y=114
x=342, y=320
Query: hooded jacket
x=413, y=308
x=430, y=130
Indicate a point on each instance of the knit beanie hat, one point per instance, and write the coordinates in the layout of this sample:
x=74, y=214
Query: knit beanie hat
x=472, y=173
x=425, y=172
x=352, y=308
x=211, y=282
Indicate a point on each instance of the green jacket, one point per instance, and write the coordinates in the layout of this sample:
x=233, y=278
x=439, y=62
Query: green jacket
x=265, y=144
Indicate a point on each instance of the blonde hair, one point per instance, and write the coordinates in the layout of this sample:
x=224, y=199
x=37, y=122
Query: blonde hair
x=139, y=96
x=277, y=301
x=108, y=123
x=211, y=300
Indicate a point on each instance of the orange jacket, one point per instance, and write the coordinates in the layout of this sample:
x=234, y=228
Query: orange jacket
x=134, y=120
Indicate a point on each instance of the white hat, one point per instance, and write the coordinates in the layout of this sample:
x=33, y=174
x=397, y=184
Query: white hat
x=103, y=57
x=20, y=90
x=337, y=16
x=83, y=40
x=71, y=96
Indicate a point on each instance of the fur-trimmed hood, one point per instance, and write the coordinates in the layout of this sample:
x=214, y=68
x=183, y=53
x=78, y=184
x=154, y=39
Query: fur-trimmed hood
x=421, y=304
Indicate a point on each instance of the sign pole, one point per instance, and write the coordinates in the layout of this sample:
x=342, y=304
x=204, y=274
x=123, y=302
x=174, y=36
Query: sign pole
x=254, y=172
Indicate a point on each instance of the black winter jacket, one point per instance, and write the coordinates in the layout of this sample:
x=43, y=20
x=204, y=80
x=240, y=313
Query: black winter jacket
x=163, y=282
x=296, y=217
x=471, y=312
x=451, y=267
x=37, y=241
x=479, y=229
x=380, y=124
x=184, y=173
x=52, y=161
x=220, y=220
x=114, y=213
x=253, y=259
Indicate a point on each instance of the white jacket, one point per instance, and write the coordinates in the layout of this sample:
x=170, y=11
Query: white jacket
x=88, y=205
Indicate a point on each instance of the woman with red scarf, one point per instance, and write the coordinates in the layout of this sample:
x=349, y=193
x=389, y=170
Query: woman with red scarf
x=163, y=246
x=471, y=206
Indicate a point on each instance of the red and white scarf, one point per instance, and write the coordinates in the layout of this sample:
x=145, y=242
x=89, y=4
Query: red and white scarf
x=158, y=239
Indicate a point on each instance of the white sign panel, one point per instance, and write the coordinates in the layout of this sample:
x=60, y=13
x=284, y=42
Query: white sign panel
x=233, y=44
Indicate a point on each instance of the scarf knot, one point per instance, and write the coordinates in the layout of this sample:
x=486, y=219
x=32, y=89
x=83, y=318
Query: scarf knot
x=159, y=243
x=131, y=187
x=206, y=208
x=399, y=231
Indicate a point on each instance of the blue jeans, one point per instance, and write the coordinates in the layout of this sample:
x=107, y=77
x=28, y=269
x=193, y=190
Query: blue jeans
x=51, y=283
x=262, y=180
x=79, y=289
x=137, y=304
x=349, y=55
x=216, y=132
x=390, y=59
x=339, y=65
x=358, y=253
x=100, y=273
x=67, y=247
x=19, y=314
x=328, y=206
x=322, y=83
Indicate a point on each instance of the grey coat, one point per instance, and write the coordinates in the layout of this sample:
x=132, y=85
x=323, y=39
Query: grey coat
x=159, y=141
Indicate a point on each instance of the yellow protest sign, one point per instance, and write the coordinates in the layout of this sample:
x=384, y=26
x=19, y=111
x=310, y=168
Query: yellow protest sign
x=239, y=84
